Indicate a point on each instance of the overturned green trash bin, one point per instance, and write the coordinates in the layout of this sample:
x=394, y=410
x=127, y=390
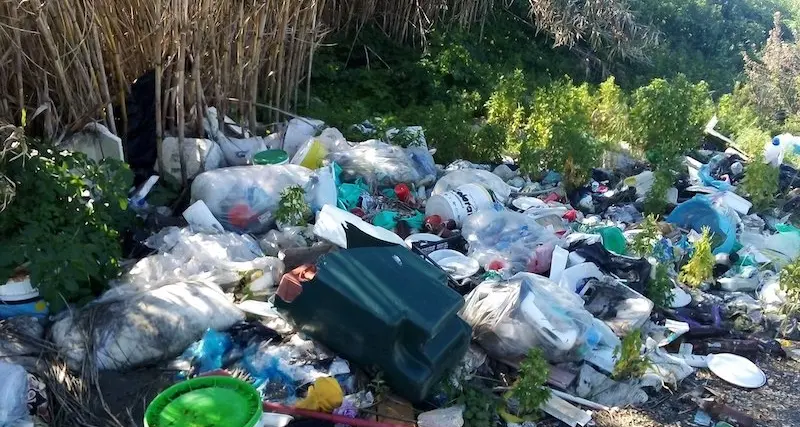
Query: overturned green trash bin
x=384, y=307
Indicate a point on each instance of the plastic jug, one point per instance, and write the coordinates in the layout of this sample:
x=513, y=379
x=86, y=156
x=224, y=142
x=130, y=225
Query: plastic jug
x=775, y=149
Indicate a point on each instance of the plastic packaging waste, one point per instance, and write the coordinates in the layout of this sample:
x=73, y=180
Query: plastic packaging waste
x=459, y=203
x=699, y=212
x=447, y=417
x=112, y=326
x=511, y=317
x=207, y=354
x=13, y=395
x=185, y=255
x=776, y=148
x=298, y=132
x=314, y=150
x=199, y=155
x=486, y=179
x=619, y=306
x=504, y=241
x=324, y=395
x=380, y=164
x=705, y=174
x=349, y=231
x=244, y=198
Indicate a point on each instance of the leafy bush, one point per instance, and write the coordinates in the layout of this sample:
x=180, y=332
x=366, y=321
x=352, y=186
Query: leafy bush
x=760, y=183
x=643, y=242
x=668, y=118
x=529, y=389
x=292, y=207
x=480, y=406
x=659, y=289
x=701, y=265
x=655, y=202
x=611, y=116
x=790, y=284
x=630, y=361
x=556, y=133
x=64, y=223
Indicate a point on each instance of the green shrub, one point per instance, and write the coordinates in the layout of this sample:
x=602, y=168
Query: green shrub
x=642, y=244
x=668, y=118
x=557, y=133
x=655, y=202
x=790, y=284
x=659, y=289
x=760, y=183
x=530, y=388
x=64, y=223
x=611, y=116
x=293, y=210
x=630, y=361
x=701, y=265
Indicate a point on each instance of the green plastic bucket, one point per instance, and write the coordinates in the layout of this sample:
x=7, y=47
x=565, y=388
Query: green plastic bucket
x=206, y=402
x=271, y=157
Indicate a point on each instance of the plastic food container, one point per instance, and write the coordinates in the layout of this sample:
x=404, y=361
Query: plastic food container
x=271, y=157
x=206, y=402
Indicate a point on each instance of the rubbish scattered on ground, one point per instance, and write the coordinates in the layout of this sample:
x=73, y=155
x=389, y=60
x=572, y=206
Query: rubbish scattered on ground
x=332, y=280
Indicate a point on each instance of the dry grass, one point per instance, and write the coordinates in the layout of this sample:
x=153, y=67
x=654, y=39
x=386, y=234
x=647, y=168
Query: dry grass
x=69, y=62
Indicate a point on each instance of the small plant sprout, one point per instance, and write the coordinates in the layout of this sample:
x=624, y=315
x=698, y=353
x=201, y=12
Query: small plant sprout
x=529, y=389
x=701, y=266
x=292, y=207
x=643, y=242
x=631, y=363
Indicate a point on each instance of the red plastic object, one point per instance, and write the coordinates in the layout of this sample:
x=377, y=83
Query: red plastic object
x=240, y=215
x=571, y=215
x=496, y=265
x=433, y=223
x=358, y=212
x=552, y=197
x=353, y=422
x=403, y=192
x=292, y=282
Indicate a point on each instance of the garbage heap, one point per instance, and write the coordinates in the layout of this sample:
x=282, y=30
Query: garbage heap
x=317, y=281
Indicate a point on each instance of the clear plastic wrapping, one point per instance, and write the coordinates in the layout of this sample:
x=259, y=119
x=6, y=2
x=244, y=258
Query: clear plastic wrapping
x=511, y=317
x=382, y=164
x=506, y=241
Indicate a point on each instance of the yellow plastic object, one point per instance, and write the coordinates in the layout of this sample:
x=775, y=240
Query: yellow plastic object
x=324, y=395
x=312, y=155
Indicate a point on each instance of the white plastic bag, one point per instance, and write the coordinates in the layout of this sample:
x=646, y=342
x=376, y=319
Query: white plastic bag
x=505, y=241
x=245, y=198
x=240, y=152
x=13, y=395
x=511, y=317
x=298, y=132
x=447, y=417
x=199, y=155
x=138, y=328
x=184, y=254
x=484, y=178
x=379, y=163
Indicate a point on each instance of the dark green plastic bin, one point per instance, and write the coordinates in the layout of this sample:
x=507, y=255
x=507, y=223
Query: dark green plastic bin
x=385, y=307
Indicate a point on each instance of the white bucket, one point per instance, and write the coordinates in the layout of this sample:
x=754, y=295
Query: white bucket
x=460, y=203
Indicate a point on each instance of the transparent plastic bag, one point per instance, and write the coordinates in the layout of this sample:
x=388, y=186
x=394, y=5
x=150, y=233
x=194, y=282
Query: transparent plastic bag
x=490, y=181
x=13, y=395
x=245, y=198
x=184, y=254
x=380, y=164
x=619, y=306
x=511, y=317
x=506, y=241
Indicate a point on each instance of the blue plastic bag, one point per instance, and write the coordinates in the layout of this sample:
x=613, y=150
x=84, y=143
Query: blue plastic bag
x=699, y=212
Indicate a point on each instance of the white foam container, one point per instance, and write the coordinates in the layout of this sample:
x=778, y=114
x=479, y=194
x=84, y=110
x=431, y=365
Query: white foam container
x=460, y=203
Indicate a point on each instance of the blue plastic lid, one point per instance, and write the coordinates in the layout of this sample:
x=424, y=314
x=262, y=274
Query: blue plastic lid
x=776, y=141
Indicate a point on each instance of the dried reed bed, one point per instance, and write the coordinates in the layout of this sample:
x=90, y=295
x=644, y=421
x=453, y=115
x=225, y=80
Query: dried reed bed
x=67, y=62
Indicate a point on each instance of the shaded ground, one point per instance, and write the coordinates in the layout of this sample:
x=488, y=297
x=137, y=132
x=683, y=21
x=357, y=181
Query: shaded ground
x=775, y=405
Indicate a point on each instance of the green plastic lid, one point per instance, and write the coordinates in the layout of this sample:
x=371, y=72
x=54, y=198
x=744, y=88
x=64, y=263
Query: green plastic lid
x=271, y=157
x=206, y=402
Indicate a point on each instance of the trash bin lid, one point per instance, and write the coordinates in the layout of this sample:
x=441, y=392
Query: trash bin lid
x=271, y=157
x=207, y=402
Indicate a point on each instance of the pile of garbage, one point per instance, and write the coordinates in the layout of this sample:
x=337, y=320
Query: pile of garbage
x=317, y=281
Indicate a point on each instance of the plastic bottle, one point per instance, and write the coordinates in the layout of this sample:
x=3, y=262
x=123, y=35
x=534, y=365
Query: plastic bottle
x=722, y=412
x=775, y=149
